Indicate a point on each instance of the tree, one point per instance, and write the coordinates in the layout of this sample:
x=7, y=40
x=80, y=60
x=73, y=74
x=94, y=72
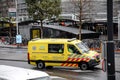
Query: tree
x=84, y=9
x=43, y=9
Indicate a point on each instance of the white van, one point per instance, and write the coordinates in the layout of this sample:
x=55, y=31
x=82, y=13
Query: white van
x=16, y=73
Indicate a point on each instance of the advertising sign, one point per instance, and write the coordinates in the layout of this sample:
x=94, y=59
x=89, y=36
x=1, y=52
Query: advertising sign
x=18, y=39
x=12, y=12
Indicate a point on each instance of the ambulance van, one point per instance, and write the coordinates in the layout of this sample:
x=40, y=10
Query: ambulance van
x=61, y=52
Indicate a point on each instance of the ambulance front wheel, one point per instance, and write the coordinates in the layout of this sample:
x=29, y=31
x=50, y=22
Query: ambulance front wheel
x=83, y=66
x=40, y=64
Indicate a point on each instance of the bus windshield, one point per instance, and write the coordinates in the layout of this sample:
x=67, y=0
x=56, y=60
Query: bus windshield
x=84, y=48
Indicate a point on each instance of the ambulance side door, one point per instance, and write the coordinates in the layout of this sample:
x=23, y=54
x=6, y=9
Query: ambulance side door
x=56, y=52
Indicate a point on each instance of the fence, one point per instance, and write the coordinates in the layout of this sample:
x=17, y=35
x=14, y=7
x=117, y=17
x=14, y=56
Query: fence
x=95, y=44
x=11, y=41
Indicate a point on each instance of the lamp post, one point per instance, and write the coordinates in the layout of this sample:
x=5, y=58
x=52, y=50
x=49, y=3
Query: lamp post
x=80, y=18
x=119, y=25
x=16, y=18
x=18, y=37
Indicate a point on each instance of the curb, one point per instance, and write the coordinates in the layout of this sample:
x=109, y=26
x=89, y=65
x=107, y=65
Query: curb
x=14, y=60
x=13, y=47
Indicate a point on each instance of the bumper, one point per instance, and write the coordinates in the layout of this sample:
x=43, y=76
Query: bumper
x=93, y=63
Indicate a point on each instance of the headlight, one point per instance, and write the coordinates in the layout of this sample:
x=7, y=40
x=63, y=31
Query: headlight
x=96, y=57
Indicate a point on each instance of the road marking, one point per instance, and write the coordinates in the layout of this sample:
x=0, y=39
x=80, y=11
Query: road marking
x=88, y=78
x=78, y=70
x=13, y=51
x=57, y=78
x=81, y=71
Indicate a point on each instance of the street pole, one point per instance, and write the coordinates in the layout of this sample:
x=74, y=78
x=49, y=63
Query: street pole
x=110, y=44
x=16, y=18
x=18, y=44
x=80, y=18
x=119, y=25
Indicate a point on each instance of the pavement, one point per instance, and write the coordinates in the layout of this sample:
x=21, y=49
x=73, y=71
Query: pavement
x=12, y=46
x=14, y=57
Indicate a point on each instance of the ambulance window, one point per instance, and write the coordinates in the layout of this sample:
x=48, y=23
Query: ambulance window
x=83, y=47
x=73, y=49
x=55, y=48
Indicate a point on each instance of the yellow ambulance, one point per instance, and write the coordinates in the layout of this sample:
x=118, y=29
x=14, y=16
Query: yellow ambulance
x=61, y=52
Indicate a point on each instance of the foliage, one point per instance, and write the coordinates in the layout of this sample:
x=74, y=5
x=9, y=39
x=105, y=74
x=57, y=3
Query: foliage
x=43, y=9
x=82, y=7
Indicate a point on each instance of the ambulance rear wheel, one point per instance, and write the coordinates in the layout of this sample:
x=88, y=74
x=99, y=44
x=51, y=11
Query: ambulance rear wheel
x=40, y=65
x=83, y=66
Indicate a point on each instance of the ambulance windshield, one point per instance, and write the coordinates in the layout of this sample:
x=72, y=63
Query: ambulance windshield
x=84, y=48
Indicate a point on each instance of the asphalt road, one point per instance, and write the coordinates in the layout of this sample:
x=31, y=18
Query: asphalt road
x=18, y=58
x=68, y=73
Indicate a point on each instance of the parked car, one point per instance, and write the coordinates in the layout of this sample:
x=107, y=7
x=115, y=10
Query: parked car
x=17, y=73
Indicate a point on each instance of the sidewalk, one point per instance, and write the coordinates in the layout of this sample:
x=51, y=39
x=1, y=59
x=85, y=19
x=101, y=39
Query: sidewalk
x=14, y=57
x=12, y=46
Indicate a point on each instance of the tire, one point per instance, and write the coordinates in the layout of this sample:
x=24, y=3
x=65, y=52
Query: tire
x=83, y=66
x=40, y=65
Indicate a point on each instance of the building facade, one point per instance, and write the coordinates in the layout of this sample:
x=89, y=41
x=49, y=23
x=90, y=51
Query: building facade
x=92, y=9
x=6, y=5
x=22, y=11
x=95, y=9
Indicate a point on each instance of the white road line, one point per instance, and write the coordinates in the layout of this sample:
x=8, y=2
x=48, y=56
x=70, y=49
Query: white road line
x=83, y=71
x=88, y=78
x=57, y=78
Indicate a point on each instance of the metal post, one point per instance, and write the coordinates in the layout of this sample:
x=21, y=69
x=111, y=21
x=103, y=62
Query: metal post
x=119, y=26
x=17, y=30
x=80, y=18
x=16, y=18
x=110, y=45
